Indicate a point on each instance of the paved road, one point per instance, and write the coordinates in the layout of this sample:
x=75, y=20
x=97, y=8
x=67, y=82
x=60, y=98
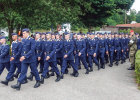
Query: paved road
x=114, y=83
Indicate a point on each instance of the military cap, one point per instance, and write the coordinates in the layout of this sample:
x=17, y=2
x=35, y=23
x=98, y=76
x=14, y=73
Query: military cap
x=14, y=34
x=3, y=37
x=25, y=30
x=137, y=34
x=66, y=33
x=79, y=34
x=37, y=32
x=48, y=33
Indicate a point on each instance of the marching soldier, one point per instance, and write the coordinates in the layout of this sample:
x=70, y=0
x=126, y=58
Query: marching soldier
x=111, y=44
x=68, y=56
x=102, y=50
x=49, y=49
x=80, y=48
x=27, y=59
x=4, y=55
x=92, y=51
x=14, y=60
x=117, y=48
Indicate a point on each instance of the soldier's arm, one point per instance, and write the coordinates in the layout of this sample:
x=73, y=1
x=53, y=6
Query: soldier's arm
x=54, y=49
x=3, y=54
x=84, y=48
x=19, y=51
x=71, y=48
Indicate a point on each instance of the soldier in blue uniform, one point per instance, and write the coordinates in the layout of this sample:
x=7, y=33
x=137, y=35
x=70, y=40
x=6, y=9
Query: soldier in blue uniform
x=106, y=55
x=59, y=49
x=4, y=55
x=68, y=56
x=117, y=48
x=138, y=41
x=103, y=48
x=123, y=48
x=14, y=60
x=111, y=43
x=126, y=44
x=49, y=49
x=27, y=58
x=80, y=48
x=38, y=53
x=92, y=51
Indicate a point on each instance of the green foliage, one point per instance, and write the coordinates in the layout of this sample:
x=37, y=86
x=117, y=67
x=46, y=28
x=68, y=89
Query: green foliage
x=42, y=14
x=138, y=17
x=137, y=66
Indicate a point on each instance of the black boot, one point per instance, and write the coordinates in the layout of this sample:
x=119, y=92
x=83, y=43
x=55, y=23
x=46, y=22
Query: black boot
x=40, y=71
x=25, y=81
x=12, y=79
x=76, y=74
x=72, y=74
x=5, y=82
x=99, y=67
x=42, y=80
x=17, y=86
x=79, y=67
x=110, y=65
x=30, y=77
x=66, y=71
x=122, y=62
x=91, y=69
x=131, y=68
x=47, y=75
x=16, y=75
x=62, y=76
x=117, y=63
x=87, y=71
x=52, y=74
x=103, y=66
x=37, y=84
x=58, y=78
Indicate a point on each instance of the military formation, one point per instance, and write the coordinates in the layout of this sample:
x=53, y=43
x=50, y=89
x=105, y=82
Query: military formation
x=51, y=54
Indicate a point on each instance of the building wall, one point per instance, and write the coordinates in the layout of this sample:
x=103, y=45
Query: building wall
x=112, y=29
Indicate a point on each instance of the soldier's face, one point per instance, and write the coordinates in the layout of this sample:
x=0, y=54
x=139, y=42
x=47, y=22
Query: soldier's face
x=101, y=36
x=37, y=36
x=25, y=34
x=14, y=37
x=67, y=37
x=53, y=37
x=112, y=36
x=3, y=41
x=78, y=37
x=57, y=37
x=109, y=35
x=43, y=36
x=48, y=36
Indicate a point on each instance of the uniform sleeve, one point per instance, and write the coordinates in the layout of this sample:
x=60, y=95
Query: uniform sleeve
x=19, y=51
x=84, y=47
x=71, y=48
x=54, y=49
x=6, y=52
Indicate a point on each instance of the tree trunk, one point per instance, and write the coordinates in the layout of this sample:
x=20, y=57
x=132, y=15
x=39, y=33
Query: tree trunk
x=10, y=27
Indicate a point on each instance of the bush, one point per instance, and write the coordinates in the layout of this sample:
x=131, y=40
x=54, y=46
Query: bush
x=137, y=67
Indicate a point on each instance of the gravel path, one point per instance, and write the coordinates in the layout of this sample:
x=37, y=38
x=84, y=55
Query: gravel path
x=114, y=83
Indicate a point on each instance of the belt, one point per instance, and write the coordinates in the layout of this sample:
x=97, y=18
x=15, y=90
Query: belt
x=46, y=52
x=78, y=50
x=101, y=46
x=92, y=47
x=66, y=51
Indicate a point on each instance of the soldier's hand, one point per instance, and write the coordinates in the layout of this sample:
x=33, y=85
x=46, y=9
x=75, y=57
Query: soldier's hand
x=87, y=54
x=74, y=52
x=127, y=49
x=107, y=52
x=22, y=58
x=39, y=58
x=94, y=55
x=48, y=57
x=115, y=50
x=122, y=50
x=65, y=56
x=12, y=58
x=79, y=54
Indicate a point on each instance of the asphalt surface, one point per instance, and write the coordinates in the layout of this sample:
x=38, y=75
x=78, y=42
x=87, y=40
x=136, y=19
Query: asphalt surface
x=112, y=83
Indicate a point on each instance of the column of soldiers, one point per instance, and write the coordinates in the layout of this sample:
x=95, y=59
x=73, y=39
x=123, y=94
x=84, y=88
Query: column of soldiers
x=48, y=50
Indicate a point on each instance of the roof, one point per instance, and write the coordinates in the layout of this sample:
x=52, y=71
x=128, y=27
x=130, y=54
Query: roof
x=136, y=25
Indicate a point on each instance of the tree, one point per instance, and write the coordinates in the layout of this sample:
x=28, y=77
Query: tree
x=138, y=17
